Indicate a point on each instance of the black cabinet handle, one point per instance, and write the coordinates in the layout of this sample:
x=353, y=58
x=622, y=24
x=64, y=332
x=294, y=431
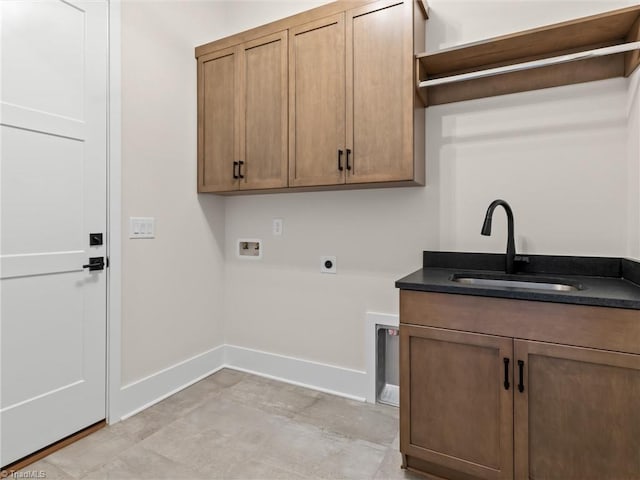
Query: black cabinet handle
x=240, y=164
x=506, y=373
x=348, y=164
x=235, y=175
x=340, y=167
x=521, y=369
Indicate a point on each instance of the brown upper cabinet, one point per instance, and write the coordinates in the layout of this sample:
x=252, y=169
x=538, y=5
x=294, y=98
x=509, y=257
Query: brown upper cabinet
x=317, y=139
x=326, y=102
x=351, y=98
x=242, y=112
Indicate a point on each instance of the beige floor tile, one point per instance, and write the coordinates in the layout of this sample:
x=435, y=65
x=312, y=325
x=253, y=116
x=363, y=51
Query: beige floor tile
x=390, y=468
x=233, y=425
x=90, y=453
x=143, y=424
x=183, y=402
x=45, y=469
x=186, y=443
x=149, y=421
x=138, y=463
x=257, y=470
x=272, y=396
x=227, y=377
x=311, y=452
x=230, y=417
x=213, y=440
x=395, y=445
x=357, y=420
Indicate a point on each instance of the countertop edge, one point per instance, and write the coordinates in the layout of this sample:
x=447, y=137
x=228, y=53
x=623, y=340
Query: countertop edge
x=526, y=296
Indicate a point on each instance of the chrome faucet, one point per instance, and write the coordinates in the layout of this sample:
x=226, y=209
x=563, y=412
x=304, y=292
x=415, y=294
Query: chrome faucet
x=511, y=257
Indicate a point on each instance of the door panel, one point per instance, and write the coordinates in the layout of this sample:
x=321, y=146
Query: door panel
x=452, y=390
x=55, y=225
x=53, y=194
x=264, y=136
x=578, y=415
x=219, y=120
x=49, y=46
x=380, y=93
x=55, y=300
x=317, y=102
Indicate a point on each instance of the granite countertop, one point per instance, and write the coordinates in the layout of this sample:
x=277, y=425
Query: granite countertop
x=604, y=281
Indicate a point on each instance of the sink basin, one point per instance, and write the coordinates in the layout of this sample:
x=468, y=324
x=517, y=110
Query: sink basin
x=517, y=281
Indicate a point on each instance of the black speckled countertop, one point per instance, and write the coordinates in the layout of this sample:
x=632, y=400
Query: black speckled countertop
x=603, y=281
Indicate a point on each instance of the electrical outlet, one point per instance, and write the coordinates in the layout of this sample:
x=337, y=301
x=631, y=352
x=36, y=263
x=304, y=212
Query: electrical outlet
x=328, y=264
x=277, y=227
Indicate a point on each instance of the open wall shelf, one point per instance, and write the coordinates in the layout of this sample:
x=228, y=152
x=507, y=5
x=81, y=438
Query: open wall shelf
x=610, y=29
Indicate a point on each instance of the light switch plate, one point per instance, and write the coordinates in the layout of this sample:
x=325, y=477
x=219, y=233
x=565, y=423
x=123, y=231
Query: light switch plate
x=142, y=227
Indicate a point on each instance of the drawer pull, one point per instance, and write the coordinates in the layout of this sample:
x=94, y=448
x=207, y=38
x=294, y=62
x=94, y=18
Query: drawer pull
x=506, y=373
x=521, y=369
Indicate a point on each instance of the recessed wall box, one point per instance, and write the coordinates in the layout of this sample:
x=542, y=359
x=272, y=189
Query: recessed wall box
x=249, y=248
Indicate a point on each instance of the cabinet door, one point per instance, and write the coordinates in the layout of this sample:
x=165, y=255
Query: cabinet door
x=317, y=102
x=456, y=412
x=380, y=92
x=218, y=120
x=578, y=416
x=263, y=136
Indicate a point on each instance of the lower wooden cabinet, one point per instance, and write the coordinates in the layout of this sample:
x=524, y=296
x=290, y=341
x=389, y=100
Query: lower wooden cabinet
x=579, y=414
x=455, y=411
x=483, y=406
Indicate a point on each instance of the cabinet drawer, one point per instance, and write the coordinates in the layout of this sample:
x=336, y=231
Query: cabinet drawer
x=604, y=328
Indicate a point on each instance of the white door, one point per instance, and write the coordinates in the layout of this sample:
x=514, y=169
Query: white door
x=53, y=195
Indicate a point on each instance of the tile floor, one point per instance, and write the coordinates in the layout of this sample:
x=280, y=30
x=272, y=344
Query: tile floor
x=233, y=425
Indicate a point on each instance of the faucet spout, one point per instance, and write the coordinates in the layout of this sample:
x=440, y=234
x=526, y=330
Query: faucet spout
x=510, y=259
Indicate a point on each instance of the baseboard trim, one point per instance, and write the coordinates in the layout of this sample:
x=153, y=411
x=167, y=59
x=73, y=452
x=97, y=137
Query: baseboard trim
x=344, y=382
x=339, y=381
x=143, y=393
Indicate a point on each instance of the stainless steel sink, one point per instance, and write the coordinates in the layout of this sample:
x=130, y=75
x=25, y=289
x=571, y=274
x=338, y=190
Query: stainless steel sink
x=517, y=281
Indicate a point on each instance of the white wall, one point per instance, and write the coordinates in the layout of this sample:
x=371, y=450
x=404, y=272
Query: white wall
x=559, y=156
x=562, y=158
x=172, y=285
x=633, y=155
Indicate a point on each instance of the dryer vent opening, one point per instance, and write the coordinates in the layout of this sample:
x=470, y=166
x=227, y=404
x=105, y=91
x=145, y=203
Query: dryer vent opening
x=387, y=365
